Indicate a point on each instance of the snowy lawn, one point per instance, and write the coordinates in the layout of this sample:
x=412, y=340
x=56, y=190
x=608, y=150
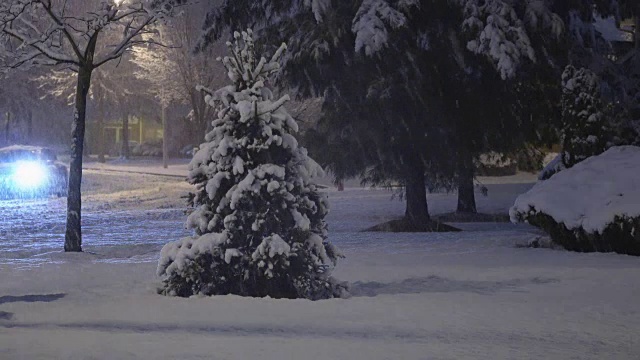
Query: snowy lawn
x=468, y=295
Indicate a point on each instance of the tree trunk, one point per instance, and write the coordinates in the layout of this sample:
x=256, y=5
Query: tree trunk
x=466, y=195
x=417, y=211
x=124, y=153
x=73, y=234
x=165, y=138
x=199, y=123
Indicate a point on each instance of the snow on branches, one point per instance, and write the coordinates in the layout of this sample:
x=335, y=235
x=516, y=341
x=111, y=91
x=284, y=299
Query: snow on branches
x=318, y=7
x=258, y=219
x=539, y=16
x=371, y=21
x=498, y=33
x=493, y=28
x=48, y=32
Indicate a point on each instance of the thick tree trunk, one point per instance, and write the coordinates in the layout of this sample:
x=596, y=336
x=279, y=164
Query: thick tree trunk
x=466, y=195
x=73, y=234
x=199, y=125
x=417, y=211
x=124, y=153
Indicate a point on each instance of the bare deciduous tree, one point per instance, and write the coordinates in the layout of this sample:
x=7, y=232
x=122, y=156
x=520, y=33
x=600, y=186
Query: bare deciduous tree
x=175, y=69
x=68, y=34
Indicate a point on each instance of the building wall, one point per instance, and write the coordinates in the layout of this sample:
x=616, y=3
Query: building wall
x=140, y=131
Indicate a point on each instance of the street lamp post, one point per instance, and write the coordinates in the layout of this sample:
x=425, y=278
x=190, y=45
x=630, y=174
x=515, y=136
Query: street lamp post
x=165, y=140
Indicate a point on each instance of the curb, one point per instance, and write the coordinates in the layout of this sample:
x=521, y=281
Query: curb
x=141, y=172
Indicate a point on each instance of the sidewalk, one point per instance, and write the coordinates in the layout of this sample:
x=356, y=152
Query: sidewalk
x=152, y=166
x=178, y=168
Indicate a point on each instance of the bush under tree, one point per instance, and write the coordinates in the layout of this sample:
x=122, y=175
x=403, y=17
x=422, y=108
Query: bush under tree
x=259, y=221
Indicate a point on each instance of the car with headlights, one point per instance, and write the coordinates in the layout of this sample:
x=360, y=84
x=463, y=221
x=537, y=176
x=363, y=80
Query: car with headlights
x=31, y=171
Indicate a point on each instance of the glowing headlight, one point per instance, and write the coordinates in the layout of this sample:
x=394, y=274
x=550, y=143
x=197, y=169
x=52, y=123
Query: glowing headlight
x=29, y=175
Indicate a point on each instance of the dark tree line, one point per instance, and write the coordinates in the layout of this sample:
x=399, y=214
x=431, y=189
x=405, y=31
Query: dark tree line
x=415, y=107
x=430, y=93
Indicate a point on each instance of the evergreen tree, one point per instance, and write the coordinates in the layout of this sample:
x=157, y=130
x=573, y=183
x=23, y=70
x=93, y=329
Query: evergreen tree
x=340, y=50
x=421, y=87
x=259, y=221
x=599, y=100
x=586, y=128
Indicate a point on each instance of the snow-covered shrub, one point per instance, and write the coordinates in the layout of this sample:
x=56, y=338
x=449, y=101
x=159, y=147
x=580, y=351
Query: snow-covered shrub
x=593, y=206
x=259, y=221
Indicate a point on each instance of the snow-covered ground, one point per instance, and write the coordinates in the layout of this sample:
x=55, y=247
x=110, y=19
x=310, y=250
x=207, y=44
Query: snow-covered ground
x=467, y=295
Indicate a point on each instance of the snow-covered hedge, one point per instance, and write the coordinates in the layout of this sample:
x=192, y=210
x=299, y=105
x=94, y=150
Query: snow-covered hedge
x=258, y=219
x=593, y=206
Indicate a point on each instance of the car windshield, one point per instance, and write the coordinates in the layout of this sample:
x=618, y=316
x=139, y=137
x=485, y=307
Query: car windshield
x=47, y=155
x=18, y=155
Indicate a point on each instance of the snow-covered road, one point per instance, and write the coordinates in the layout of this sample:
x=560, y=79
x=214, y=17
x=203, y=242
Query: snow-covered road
x=120, y=211
x=467, y=295
x=32, y=230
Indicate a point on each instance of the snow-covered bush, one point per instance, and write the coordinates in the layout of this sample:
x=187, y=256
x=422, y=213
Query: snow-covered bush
x=259, y=222
x=593, y=206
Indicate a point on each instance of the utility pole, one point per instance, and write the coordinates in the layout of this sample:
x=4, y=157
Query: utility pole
x=165, y=135
x=7, y=124
x=636, y=30
x=165, y=140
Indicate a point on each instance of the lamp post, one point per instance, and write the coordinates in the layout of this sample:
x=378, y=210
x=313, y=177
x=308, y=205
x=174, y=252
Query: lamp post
x=163, y=104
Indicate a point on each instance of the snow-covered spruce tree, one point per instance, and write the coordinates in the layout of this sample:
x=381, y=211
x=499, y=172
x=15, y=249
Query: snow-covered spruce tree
x=586, y=128
x=259, y=222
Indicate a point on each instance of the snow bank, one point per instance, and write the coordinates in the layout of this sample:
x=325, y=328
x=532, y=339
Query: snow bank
x=589, y=195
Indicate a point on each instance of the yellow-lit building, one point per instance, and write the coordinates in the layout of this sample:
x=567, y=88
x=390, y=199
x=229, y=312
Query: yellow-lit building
x=140, y=131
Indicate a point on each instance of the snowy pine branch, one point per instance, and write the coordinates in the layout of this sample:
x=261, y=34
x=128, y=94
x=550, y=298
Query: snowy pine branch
x=371, y=21
x=498, y=33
